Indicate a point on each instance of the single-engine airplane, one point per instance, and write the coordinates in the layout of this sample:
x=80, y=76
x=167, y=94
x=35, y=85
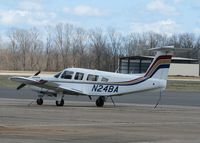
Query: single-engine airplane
x=86, y=82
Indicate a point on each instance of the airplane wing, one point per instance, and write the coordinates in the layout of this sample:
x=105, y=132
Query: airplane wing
x=41, y=83
x=26, y=80
x=48, y=85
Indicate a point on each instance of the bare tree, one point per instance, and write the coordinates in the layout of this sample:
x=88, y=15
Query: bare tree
x=98, y=44
x=174, y=40
x=35, y=49
x=67, y=45
x=59, y=40
x=63, y=40
x=153, y=39
x=132, y=44
x=186, y=40
x=115, y=40
x=68, y=39
x=22, y=38
x=14, y=48
x=48, y=47
x=78, y=47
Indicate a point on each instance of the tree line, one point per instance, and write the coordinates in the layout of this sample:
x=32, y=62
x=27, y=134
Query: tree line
x=66, y=45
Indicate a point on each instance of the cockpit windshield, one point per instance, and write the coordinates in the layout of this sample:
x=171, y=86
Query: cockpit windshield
x=57, y=75
x=67, y=75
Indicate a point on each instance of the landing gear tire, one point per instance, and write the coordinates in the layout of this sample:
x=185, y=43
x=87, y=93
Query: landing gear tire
x=100, y=101
x=39, y=101
x=60, y=103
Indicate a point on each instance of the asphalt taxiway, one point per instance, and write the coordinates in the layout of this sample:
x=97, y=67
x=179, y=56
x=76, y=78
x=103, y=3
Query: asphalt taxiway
x=183, y=98
x=133, y=119
x=82, y=122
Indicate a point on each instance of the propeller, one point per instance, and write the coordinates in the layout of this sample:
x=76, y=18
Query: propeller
x=23, y=84
x=37, y=73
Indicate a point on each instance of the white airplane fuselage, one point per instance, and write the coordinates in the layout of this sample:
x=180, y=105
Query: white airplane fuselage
x=116, y=85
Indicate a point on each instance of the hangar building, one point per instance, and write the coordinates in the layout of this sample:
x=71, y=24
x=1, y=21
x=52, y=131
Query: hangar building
x=139, y=64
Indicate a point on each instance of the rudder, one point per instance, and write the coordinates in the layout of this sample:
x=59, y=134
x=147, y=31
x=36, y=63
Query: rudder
x=159, y=68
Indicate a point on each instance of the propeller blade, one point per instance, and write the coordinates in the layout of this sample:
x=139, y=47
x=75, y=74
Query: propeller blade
x=37, y=73
x=21, y=86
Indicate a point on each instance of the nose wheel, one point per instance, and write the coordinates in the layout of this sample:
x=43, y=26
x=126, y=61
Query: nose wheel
x=60, y=103
x=100, y=101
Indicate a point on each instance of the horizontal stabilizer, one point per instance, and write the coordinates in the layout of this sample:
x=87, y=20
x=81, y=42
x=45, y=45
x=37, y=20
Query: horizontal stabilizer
x=166, y=49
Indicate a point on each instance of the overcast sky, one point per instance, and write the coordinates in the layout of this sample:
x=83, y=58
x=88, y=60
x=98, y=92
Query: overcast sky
x=162, y=16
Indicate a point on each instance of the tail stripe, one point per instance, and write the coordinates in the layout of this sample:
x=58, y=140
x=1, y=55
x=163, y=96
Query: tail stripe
x=160, y=63
x=157, y=63
x=160, y=67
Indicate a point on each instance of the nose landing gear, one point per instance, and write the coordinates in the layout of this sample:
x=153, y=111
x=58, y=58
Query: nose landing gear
x=60, y=103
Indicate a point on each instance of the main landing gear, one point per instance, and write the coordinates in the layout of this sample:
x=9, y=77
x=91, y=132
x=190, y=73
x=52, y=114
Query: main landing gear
x=100, y=101
x=39, y=101
x=59, y=100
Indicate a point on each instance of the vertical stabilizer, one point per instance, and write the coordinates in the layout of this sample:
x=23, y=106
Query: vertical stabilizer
x=159, y=68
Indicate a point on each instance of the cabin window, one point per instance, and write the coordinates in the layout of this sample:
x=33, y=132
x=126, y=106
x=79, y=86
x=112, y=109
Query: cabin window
x=57, y=75
x=92, y=77
x=79, y=76
x=104, y=79
x=67, y=75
